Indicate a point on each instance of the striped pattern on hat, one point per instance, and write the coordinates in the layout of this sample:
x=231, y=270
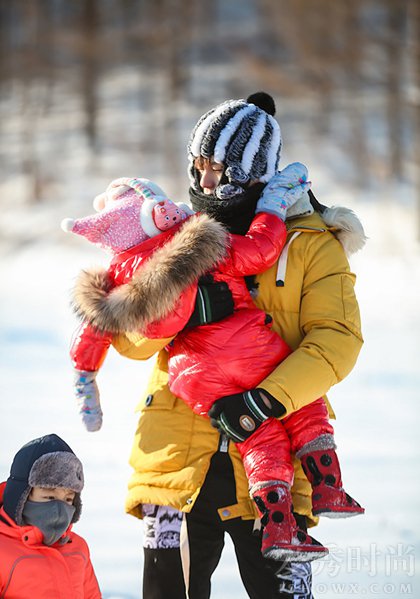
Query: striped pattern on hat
x=242, y=136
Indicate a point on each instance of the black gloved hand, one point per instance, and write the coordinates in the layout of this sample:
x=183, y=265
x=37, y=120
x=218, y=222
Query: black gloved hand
x=214, y=302
x=238, y=416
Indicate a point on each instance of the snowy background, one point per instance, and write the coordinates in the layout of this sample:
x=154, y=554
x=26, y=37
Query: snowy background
x=52, y=165
x=377, y=410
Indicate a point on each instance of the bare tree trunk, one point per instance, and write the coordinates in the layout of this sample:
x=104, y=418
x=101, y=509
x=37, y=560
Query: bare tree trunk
x=89, y=68
x=5, y=19
x=354, y=50
x=394, y=50
x=28, y=68
x=315, y=26
x=176, y=35
x=414, y=22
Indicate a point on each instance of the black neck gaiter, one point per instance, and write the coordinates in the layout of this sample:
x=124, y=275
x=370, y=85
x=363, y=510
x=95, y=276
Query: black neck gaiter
x=235, y=213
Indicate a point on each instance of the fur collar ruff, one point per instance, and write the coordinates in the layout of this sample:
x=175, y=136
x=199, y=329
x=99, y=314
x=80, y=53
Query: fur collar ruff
x=341, y=221
x=346, y=226
x=152, y=293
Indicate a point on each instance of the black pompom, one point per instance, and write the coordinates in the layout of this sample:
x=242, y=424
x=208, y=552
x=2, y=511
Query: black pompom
x=264, y=101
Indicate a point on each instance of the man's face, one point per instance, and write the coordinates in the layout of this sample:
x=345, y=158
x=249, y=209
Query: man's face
x=210, y=174
x=40, y=494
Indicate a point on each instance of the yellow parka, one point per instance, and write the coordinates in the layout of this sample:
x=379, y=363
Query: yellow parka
x=317, y=314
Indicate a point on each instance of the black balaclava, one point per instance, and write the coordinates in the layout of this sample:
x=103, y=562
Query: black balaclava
x=244, y=136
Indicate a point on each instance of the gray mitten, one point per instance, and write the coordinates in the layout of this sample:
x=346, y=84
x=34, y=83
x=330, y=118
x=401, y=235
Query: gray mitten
x=87, y=398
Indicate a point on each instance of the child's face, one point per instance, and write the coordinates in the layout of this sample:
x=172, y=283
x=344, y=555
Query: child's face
x=40, y=494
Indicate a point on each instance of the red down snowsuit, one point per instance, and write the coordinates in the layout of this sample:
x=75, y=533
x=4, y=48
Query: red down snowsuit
x=226, y=357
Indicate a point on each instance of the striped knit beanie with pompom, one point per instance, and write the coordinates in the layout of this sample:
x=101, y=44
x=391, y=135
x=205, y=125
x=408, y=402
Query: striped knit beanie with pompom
x=244, y=136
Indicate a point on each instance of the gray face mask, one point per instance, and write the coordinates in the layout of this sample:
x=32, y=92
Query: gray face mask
x=51, y=517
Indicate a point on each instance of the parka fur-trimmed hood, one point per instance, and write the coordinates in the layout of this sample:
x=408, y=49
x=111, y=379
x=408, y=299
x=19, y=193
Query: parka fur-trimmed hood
x=195, y=248
x=341, y=221
x=347, y=228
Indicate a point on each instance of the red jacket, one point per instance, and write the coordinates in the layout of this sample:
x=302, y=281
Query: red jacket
x=237, y=353
x=209, y=361
x=90, y=346
x=31, y=570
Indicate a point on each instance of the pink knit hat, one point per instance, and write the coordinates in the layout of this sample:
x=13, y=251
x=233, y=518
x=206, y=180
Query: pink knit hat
x=131, y=211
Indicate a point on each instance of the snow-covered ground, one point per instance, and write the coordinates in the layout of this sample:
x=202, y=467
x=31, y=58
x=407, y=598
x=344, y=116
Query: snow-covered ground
x=377, y=410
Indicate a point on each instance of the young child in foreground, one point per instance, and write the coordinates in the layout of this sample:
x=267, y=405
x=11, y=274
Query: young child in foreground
x=40, y=555
x=151, y=287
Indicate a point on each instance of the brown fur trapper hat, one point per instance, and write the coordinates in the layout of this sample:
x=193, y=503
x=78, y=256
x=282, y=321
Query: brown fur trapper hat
x=44, y=462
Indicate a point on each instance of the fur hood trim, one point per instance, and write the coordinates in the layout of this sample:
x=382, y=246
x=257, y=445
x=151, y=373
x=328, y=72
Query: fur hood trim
x=347, y=228
x=197, y=247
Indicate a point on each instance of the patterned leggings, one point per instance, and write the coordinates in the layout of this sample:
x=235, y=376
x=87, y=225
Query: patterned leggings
x=164, y=571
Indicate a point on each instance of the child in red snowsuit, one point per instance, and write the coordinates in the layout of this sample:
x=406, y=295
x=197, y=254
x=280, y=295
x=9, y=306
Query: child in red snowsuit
x=152, y=287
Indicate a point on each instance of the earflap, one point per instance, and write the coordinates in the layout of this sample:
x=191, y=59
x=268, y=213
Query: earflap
x=77, y=502
x=146, y=217
x=161, y=214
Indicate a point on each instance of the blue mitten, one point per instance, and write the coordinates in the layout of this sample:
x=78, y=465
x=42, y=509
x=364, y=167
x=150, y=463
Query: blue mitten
x=284, y=189
x=87, y=398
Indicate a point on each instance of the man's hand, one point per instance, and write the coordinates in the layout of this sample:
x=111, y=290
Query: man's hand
x=214, y=302
x=238, y=416
x=88, y=400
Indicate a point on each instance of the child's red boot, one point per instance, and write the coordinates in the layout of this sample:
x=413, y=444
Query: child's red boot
x=323, y=472
x=281, y=538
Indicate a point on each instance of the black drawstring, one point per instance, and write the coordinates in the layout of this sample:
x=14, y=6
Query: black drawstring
x=317, y=206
